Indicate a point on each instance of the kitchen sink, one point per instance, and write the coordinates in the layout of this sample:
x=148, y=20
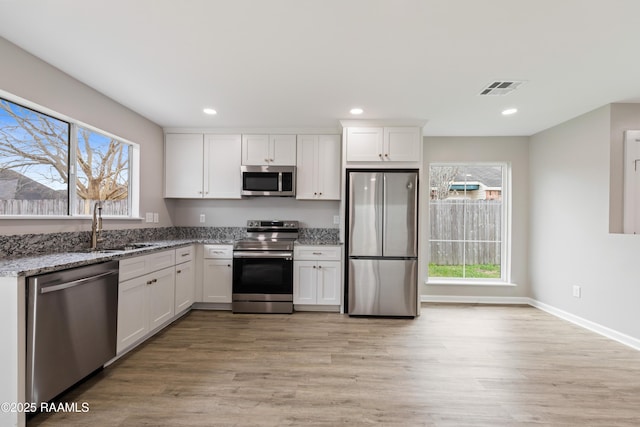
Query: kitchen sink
x=118, y=249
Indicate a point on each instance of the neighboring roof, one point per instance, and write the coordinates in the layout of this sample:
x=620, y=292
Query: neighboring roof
x=489, y=176
x=14, y=185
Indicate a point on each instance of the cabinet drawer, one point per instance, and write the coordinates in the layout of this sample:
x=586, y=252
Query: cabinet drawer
x=132, y=267
x=141, y=265
x=184, y=254
x=312, y=253
x=160, y=260
x=218, y=251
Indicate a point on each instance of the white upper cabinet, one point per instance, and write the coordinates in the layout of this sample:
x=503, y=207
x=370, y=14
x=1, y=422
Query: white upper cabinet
x=202, y=166
x=364, y=144
x=384, y=144
x=318, y=167
x=222, y=176
x=268, y=150
x=183, y=166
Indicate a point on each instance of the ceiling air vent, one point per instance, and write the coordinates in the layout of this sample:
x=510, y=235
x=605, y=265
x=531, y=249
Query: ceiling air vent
x=499, y=88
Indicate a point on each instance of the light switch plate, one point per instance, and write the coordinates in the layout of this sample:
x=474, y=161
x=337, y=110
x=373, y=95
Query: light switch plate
x=149, y=217
x=201, y=217
x=156, y=217
x=336, y=219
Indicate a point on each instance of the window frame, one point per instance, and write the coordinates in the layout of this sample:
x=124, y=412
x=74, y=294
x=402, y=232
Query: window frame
x=134, y=164
x=505, y=232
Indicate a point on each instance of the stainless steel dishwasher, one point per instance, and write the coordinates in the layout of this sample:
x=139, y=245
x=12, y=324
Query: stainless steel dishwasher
x=71, y=327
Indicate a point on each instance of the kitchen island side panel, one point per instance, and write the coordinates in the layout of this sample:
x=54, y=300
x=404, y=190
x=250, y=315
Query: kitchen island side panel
x=12, y=351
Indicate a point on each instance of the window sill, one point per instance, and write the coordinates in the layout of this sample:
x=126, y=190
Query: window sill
x=462, y=282
x=68, y=217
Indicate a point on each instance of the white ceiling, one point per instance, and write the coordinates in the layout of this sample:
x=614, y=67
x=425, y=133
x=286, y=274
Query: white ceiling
x=305, y=63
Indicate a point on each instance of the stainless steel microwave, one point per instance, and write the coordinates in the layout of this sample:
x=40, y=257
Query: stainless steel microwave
x=268, y=181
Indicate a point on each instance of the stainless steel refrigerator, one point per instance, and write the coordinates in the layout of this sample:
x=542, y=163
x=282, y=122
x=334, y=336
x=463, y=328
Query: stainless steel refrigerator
x=382, y=248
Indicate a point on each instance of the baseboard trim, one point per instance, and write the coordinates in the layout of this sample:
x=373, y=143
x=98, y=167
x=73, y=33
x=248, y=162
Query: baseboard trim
x=475, y=299
x=588, y=324
x=577, y=320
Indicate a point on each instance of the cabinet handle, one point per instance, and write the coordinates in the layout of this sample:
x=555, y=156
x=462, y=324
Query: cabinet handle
x=386, y=155
x=179, y=271
x=317, y=253
x=266, y=160
x=380, y=155
x=320, y=193
x=271, y=160
x=315, y=194
x=185, y=254
x=228, y=265
x=314, y=266
x=150, y=282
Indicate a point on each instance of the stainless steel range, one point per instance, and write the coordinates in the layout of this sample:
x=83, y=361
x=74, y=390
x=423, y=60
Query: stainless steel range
x=263, y=268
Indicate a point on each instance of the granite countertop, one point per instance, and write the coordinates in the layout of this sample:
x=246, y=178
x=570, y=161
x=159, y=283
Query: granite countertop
x=318, y=242
x=29, y=266
x=40, y=264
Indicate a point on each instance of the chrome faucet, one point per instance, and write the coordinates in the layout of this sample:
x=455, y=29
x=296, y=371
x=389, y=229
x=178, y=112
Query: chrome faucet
x=96, y=226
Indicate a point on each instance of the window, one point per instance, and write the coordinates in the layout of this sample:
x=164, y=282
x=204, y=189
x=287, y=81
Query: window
x=52, y=166
x=468, y=228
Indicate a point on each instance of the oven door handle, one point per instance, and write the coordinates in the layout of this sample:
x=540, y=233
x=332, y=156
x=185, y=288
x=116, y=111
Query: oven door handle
x=263, y=254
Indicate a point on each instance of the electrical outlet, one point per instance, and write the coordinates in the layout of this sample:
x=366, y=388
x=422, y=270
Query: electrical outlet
x=202, y=218
x=156, y=217
x=149, y=217
x=576, y=291
x=336, y=219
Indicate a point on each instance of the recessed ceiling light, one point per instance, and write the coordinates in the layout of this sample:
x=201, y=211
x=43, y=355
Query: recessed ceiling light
x=509, y=111
x=356, y=111
x=210, y=111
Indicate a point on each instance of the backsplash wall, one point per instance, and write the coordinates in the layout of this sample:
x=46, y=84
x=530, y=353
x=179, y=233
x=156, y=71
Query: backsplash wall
x=22, y=245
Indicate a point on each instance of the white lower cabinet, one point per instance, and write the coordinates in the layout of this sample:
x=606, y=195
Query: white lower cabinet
x=185, y=279
x=146, y=296
x=317, y=275
x=217, y=274
x=144, y=304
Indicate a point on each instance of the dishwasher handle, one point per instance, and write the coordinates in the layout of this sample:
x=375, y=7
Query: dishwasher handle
x=67, y=285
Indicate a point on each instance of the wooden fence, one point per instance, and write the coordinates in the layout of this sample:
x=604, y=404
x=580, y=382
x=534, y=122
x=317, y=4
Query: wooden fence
x=477, y=222
x=55, y=207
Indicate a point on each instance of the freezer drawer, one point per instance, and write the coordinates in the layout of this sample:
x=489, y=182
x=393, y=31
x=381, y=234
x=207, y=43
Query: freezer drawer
x=382, y=287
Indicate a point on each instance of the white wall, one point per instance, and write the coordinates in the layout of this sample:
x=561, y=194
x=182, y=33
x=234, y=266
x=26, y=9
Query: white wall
x=569, y=224
x=513, y=150
x=235, y=213
x=27, y=77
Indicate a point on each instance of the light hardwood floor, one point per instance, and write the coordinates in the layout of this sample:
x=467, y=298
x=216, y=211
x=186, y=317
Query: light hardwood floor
x=456, y=365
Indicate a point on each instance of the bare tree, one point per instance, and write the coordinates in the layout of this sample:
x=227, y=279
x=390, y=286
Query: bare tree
x=441, y=178
x=35, y=143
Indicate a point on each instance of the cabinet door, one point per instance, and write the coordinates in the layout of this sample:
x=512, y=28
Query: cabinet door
x=304, y=282
x=282, y=150
x=255, y=150
x=183, y=165
x=222, y=172
x=161, y=295
x=132, y=312
x=307, y=167
x=217, y=280
x=328, y=289
x=364, y=144
x=402, y=144
x=328, y=167
x=185, y=286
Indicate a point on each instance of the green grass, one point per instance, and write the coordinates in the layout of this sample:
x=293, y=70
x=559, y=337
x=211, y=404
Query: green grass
x=476, y=271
